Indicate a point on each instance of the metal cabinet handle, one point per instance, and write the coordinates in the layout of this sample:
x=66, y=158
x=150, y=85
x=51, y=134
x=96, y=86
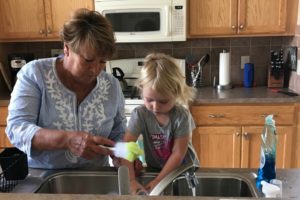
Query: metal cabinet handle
x=233, y=27
x=42, y=31
x=216, y=116
x=237, y=134
x=241, y=26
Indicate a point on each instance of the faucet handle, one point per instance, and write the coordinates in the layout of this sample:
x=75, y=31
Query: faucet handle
x=191, y=179
x=159, y=188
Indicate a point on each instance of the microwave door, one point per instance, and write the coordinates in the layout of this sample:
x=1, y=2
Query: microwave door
x=134, y=21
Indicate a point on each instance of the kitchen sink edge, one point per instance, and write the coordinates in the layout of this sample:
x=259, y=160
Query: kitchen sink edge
x=38, y=177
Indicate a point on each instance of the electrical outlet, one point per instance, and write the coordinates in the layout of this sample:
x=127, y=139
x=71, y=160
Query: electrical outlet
x=244, y=60
x=56, y=52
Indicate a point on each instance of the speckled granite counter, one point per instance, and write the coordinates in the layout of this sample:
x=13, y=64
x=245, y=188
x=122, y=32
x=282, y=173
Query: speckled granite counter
x=242, y=95
x=213, y=95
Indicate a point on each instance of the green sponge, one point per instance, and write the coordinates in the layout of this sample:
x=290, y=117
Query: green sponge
x=127, y=150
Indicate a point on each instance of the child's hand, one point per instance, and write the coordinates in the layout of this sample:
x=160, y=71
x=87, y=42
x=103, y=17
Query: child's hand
x=116, y=161
x=138, y=167
x=149, y=187
x=136, y=187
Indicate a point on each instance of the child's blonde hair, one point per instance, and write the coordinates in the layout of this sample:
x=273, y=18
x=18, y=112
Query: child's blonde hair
x=162, y=74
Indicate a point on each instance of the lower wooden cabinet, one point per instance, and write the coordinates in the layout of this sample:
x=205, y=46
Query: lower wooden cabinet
x=235, y=147
x=4, y=142
x=236, y=143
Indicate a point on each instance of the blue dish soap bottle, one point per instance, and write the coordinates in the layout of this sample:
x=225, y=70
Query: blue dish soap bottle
x=267, y=169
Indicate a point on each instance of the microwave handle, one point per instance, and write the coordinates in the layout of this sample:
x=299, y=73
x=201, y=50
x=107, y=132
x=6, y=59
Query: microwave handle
x=168, y=10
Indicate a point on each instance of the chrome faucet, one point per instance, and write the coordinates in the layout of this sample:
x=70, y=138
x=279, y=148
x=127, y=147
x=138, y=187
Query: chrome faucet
x=187, y=169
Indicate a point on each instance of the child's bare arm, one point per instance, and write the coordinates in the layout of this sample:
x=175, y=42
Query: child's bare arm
x=178, y=153
x=134, y=185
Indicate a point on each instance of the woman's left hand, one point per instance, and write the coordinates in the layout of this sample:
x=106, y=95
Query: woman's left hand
x=87, y=146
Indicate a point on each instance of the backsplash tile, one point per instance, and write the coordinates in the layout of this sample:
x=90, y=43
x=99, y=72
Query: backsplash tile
x=258, y=48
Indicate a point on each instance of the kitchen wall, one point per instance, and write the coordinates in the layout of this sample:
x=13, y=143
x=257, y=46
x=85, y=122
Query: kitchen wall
x=258, y=48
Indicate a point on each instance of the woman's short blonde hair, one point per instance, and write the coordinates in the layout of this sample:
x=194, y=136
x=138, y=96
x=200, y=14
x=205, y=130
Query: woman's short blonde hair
x=162, y=74
x=90, y=28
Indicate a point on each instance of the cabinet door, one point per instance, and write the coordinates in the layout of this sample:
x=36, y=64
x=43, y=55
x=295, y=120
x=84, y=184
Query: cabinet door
x=212, y=17
x=257, y=16
x=4, y=142
x=251, y=142
x=57, y=13
x=218, y=147
x=21, y=19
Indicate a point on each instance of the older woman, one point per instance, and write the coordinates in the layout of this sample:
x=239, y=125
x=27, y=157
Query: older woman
x=63, y=108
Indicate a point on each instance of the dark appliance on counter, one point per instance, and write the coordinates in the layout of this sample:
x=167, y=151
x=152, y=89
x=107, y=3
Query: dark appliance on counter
x=16, y=61
x=290, y=64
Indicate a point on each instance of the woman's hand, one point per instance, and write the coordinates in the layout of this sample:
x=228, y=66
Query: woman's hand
x=87, y=146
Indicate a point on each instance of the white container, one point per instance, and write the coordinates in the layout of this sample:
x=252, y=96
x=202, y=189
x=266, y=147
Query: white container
x=270, y=190
x=224, y=69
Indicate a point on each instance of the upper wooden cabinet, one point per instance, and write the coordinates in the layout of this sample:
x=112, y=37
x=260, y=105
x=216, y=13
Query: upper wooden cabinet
x=36, y=19
x=240, y=17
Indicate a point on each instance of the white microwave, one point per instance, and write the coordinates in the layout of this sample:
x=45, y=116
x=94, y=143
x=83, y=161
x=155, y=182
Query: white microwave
x=145, y=20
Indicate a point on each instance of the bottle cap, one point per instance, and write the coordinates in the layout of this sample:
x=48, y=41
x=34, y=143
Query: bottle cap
x=270, y=190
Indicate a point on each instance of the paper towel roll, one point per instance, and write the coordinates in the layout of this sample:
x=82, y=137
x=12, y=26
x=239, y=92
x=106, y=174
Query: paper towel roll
x=224, y=69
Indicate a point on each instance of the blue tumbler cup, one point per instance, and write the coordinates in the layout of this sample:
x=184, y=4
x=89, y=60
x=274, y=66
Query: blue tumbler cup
x=248, y=75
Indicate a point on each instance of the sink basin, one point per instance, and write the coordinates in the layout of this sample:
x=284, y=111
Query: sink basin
x=84, y=183
x=210, y=184
x=214, y=185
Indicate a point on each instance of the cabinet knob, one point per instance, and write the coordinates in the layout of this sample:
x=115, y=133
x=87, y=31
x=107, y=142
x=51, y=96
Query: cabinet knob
x=42, y=31
x=241, y=26
x=49, y=30
x=237, y=134
x=246, y=135
x=216, y=116
x=233, y=27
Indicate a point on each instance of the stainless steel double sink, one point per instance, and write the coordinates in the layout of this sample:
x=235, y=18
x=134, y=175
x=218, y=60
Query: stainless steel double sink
x=212, y=183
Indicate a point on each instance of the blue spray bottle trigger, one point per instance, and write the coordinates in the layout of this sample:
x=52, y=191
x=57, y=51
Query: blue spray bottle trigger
x=269, y=120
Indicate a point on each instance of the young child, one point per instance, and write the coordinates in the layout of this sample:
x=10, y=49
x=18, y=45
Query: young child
x=164, y=122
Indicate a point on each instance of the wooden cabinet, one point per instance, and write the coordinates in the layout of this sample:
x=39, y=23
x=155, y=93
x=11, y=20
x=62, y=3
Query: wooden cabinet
x=241, y=17
x=228, y=136
x=4, y=142
x=36, y=19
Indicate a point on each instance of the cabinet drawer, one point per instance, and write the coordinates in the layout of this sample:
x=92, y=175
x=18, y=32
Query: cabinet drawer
x=242, y=115
x=3, y=116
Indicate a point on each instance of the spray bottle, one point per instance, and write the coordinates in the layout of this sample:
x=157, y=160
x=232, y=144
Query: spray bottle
x=267, y=169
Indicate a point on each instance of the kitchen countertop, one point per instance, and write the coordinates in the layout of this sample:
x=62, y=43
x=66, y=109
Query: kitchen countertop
x=242, y=95
x=290, y=182
x=4, y=97
x=213, y=95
